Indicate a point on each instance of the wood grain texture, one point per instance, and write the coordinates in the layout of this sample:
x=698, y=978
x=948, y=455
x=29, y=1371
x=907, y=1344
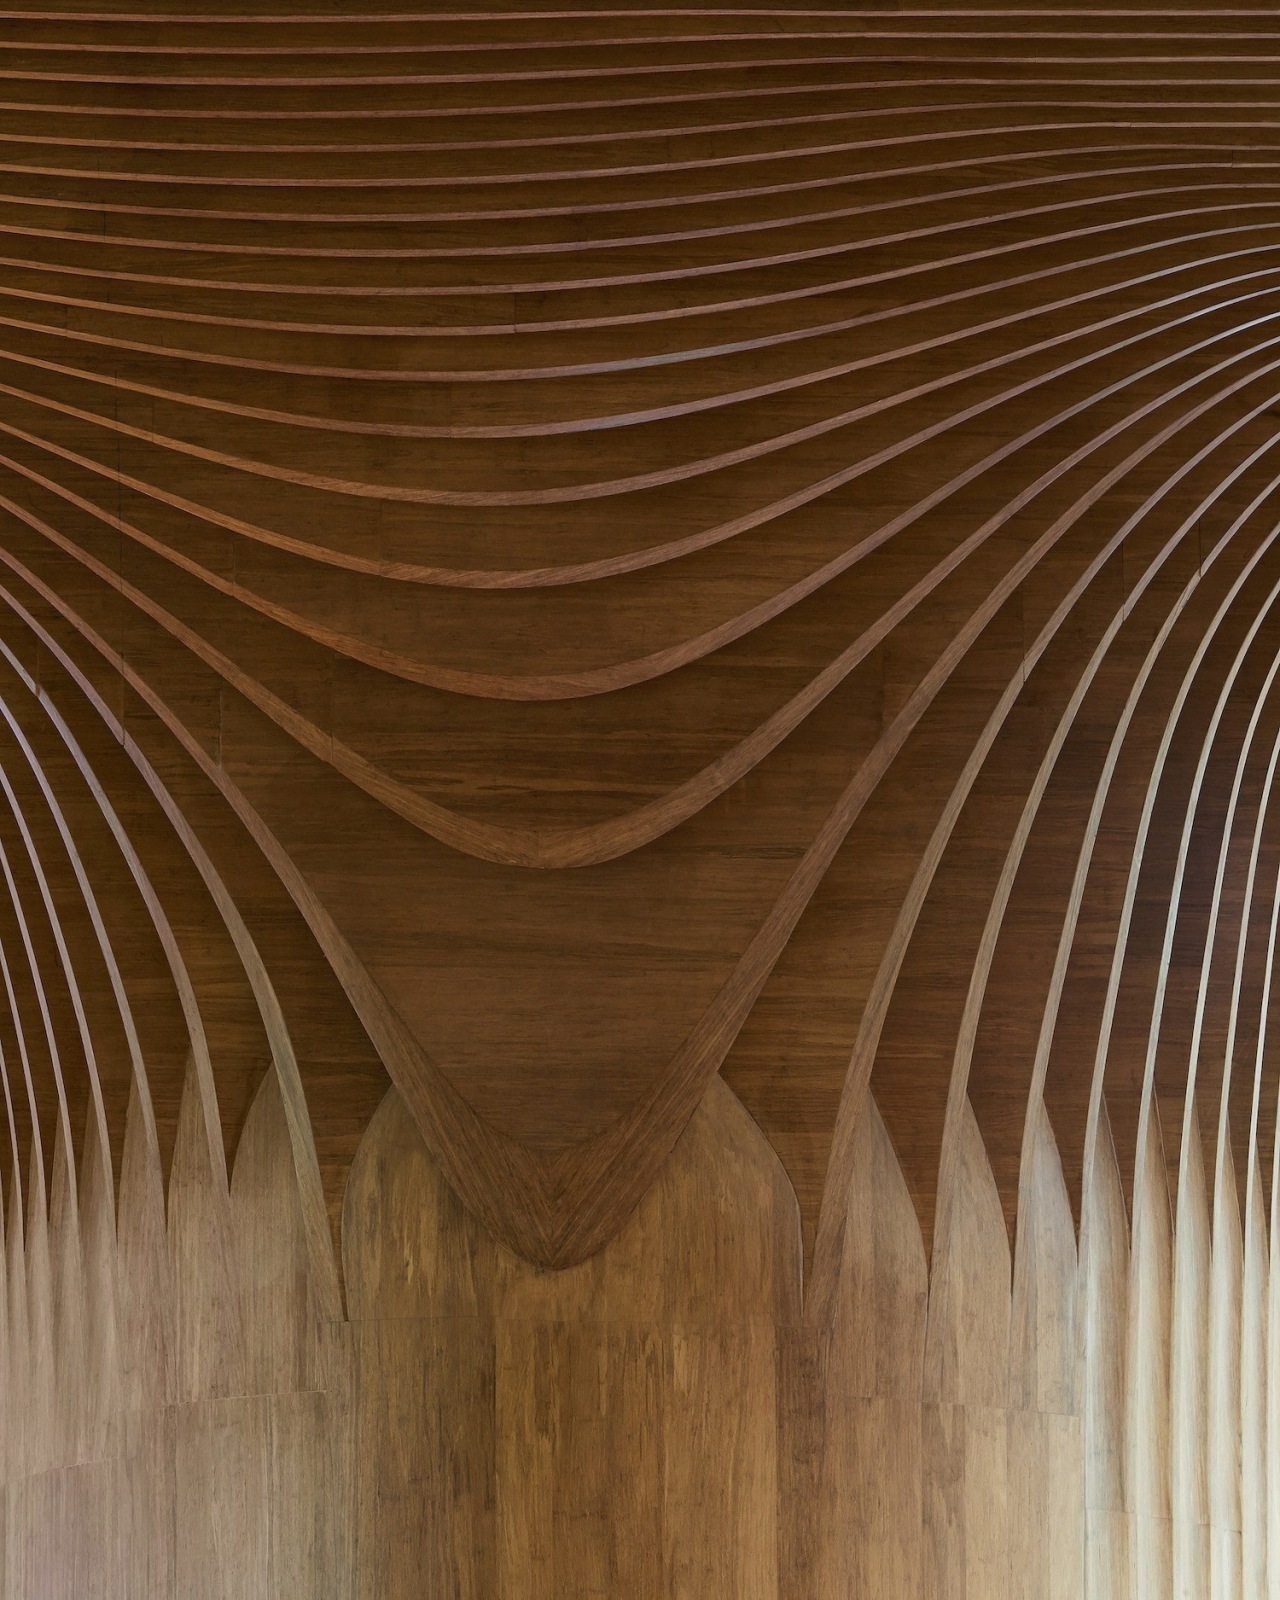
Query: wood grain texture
x=639, y=869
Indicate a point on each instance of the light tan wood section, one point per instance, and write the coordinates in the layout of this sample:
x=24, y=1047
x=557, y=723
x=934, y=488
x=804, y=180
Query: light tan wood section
x=639, y=837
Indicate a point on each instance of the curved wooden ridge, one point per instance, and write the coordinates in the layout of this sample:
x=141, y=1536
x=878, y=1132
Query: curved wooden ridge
x=641, y=641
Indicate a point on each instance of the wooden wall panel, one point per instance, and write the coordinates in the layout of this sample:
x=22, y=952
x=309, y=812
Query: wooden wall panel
x=655, y=1362
x=639, y=871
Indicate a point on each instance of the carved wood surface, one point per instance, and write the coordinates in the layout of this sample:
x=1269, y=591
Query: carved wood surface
x=639, y=872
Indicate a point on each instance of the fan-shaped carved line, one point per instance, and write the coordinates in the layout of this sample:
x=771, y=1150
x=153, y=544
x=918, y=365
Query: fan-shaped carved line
x=268, y=114
x=325, y=1283
x=501, y=47
x=1085, y=858
x=791, y=336
x=69, y=975
x=1260, y=1047
x=1223, y=1288
x=545, y=140
x=514, y=329
x=410, y=573
x=600, y=422
x=1147, y=1103
x=629, y=71
x=569, y=1202
x=658, y=41
x=682, y=655
x=46, y=1018
x=531, y=139
x=573, y=493
x=619, y=205
x=591, y=14
x=831, y=1217
x=1242, y=931
x=665, y=358
x=484, y=1165
x=1063, y=953
x=273, y=1018
x=124, y=1006
x=1138, y=854
x=559, y=848
x=200, y=1058
x=571, y=847
x=555, y=687
x=36, y=1194
x=1174, y=907
x=1035, y=1099
x=565, y=426
x=1213, y=934
x=538, y=289
x=18, y=1181
x=926, y=38
x=233, y=179
x=440, y=80
x=1045, y=1041
x=711, y=1036
x=861, y=413
x=274, y=1024
x=509, y=250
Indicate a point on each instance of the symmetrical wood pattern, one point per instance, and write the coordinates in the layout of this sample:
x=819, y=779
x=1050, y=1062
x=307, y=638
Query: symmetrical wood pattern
x=640, y=802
